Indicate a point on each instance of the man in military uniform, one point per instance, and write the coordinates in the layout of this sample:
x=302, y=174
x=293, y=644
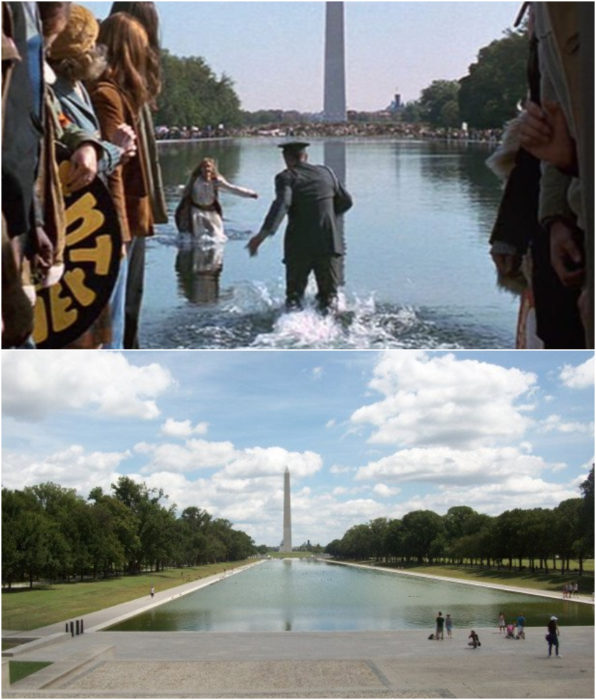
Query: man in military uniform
x=313, y=198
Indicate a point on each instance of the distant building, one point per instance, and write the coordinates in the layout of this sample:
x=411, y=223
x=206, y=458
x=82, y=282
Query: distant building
x=396, y=105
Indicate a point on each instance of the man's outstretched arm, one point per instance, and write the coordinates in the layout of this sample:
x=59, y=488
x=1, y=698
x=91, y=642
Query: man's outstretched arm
x=278, y=209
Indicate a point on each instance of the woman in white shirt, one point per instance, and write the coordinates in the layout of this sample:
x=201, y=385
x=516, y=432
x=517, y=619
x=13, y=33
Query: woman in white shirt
x=205, y=184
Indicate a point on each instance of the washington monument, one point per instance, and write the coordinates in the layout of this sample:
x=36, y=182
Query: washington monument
x=334, y=105
x=286, y=545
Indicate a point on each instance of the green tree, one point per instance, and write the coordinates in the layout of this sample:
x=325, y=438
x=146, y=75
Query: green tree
x=495, y=83
x=421, y=529
x=439, y=104
x=193, y=95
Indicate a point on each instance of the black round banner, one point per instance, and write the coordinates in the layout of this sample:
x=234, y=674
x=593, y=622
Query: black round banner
x=91, y=261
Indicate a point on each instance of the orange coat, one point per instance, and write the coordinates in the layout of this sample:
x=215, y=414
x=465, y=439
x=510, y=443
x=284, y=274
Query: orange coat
x=128, y=184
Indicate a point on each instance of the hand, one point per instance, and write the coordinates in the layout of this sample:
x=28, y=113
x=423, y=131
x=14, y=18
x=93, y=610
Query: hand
x=254, y=195
x=125, y=138
x=506, y=263
x=83, y=167
x=254, y=243
x=43, y=256
x=545, y=134
x=566, y=254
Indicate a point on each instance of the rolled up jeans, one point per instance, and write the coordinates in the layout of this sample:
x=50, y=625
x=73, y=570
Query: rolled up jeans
x=117, y=300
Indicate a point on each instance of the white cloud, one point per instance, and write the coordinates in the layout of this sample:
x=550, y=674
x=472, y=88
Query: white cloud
x=492, y=499
x=317, y=372
x=443, y=400
x=554, y=423
x=337, y=469
x=71, y=467
x=330, y=423
x=193, y=455
x=578, y=376
x=444, y=465
x=184, y=428
x=268, y=461
x=385, y=491
x=36, y=385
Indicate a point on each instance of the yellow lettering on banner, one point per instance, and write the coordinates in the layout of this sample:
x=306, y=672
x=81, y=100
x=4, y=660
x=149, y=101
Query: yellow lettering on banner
x=91, y=219
x=62, y=316
x=75, y=280
x=40, y=321
x=100, y=255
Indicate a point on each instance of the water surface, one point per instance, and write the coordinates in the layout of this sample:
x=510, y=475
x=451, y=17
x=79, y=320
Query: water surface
x=417, y=268
x=299, y=595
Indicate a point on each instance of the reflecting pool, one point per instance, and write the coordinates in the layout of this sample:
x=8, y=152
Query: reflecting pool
x=303, y=595
x=417, y=268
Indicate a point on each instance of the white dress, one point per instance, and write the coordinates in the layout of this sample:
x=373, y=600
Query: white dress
x=206, y=220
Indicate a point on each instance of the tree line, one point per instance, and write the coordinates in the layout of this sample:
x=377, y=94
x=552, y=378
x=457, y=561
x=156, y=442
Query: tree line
x=51, y=533
x=547, y=539
x=485, y=98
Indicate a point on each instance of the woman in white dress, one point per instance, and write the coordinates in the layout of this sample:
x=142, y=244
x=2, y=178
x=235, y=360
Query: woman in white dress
x=205, y=184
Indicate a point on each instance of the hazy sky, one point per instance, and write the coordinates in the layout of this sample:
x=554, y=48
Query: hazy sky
x=365, y=434
x=274, y=50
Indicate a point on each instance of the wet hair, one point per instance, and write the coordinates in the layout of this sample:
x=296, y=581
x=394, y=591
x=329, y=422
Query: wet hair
x=127, y=48
x=52, y=14
x=197, y=171
x=146, y=14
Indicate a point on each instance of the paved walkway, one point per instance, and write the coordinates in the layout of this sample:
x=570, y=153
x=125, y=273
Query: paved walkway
x=295, y=664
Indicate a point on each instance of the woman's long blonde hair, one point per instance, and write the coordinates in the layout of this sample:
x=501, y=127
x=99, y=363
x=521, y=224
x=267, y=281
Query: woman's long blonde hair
x=206, y=161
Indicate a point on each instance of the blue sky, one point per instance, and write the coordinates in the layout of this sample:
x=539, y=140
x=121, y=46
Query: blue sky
x=274, y=50
x=365, y=434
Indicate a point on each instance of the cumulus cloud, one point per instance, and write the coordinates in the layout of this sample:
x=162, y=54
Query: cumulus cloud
x=268, y=461
x=554, y=423
x=195, y=454
x=71, y=467
x=183, y=428
x=578, y=376
x=231, y=463
x=492, y=499
x=385, y=491
x=36, y=385
x=445, y=465
x=433, y=400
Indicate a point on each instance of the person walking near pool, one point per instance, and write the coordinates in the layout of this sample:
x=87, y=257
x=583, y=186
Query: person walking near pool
x=502, y=624
x=521, y=623
x=313, y=198
x=439, y=624
x=448, y=625
x=553, y=636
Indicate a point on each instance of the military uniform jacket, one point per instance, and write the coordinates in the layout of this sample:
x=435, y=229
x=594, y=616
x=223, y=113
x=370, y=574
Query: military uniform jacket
x=312, y=198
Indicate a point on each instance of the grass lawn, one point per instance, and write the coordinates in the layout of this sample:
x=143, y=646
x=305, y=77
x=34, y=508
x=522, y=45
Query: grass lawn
x=25, y=609
x=19, y=669
x=553, y=581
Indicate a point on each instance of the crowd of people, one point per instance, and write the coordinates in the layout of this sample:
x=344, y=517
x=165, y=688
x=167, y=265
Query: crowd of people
x=512, y=630
x=306, y=130
x=87, y=154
